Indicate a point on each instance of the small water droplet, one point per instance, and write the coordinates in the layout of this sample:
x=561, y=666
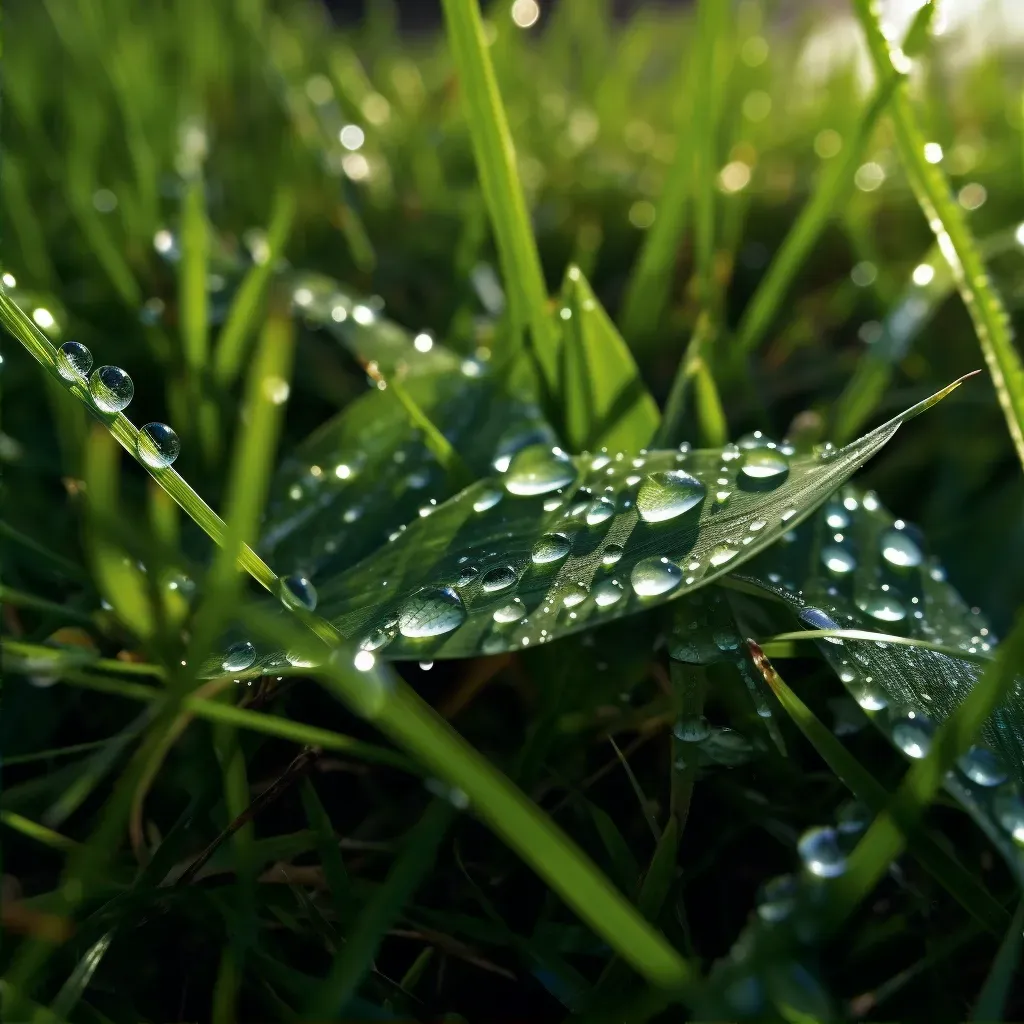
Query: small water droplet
x=852, y=818
x=538, y=469
x=913, y=734
x=467, y=575
x=158, y=445
x=692, y=729
x=837, y=559
x=821, y=853
x=777, y=898
x=550, y=548
x=885, y=607
x=571, y=594
x=111, y=388
x=431, y=612
x=899, y=550
x=721, y=554
x=836, y=517
x=239, y=657
x=817, y=619
x=302, y=659
x=599, y=511
x=498, y=578
x=608, y=592
x=376, y=639
x=511, y=612
x=666, y=495
x=653, y=576
x=488, y=499
x=611, y=555
x=867, y=695
x=764, y=465
x=982, y=767
x=298, y=592
x=74, y=361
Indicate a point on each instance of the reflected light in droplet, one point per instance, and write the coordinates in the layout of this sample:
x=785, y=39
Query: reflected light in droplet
x=43, y=317
x=364, y=661
x=423, y=342
x=9, y=281
x=525, y=13
x=933, y=152
x=923, y=274
x=734, y=176
x=352, y=137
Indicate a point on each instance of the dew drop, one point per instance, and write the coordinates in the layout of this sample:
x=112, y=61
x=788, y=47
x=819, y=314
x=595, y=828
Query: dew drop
x=550, y=548
x=666, y=495
x=298, y=592
x=611, y=555
x=817, y=619
x=868, y=696
x=301, y=659
x=608, y=592
x=982, y=767
x=599, y=511
x=376, y=639
x=692, y=729
x=837, y=559
x=653, y=576
x=111, y=388
x=468, y=574
x=158, y=445
x=239, y=657
x=777, y=898
x=899, y=550
x=431, y=612
x=74, y=361
x=488, y=499
x=884, y=607
x=836, y=517
x=721, y=554
x=498, y=578
x=852, y=818
x=538, y=469
x=764, y=465
x=821, y=853
x=913, y=734
x=511, y=612
x=572, y=594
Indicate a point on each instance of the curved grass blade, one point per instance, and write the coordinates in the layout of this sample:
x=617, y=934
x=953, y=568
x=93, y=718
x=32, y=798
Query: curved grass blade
x=946, y=220
x=992, y=999
x=877, y=576
x=557, y=545
x=606, y=401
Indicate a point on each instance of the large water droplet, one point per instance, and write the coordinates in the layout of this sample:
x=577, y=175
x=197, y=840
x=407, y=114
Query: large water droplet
x=539, y=470
x=821, y=853
x=74, y=361
x=666, y=495
x=467, y=575
x=692, y=729
x=298, y=592
x=158, y=445
x=608, y=592
x=111, y=388
x=1009, y=810
x=764, y=466
x=913, y=734
x=883, y=606
x=654, y=575
x=611, y=555
x=238, y=657
x=777, y=898
x=498, y=578
x=837, y=559
x=817, y=619
x=899, y=550
x=982, y=767
x=550, y=548
x=431, y=612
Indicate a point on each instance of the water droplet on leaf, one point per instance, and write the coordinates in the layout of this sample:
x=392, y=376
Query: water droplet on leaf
x=653, y=576
x=982, y=767
x=498, y=578
x=538, y=469
x=431, y=612
x=666, y=495
x=298, y=592
x=111, y=388
x=74, y=361
x=239, y=657
x=550, y=548
x=158, y=445
x=913, y=734
x=821, y=853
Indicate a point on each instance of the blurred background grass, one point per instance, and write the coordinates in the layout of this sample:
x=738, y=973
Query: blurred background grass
x=122, y=120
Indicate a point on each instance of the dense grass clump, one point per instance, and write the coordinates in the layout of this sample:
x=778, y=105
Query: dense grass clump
x=560, y=559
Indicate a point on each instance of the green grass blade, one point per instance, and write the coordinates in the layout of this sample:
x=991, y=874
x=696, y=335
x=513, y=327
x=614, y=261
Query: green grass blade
x=330, y=852
x=499, y=179
x=606, y=403
x=356, y=956
x=34, y=830
x=627, y=870
x=957, y=244
x=884, y=839
x=991, y=1003
x=947, y=871
x=192, y=287
x=832, y=188
x=71, y=991
x=245, y=307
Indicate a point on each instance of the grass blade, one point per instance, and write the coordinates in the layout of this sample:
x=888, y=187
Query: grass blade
x=885, y=838
x=242, y=317
x=195, y=246
x=958, y=247
x=356, y=956
x=948, y=872
x=992, y=999
x=499, y=179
